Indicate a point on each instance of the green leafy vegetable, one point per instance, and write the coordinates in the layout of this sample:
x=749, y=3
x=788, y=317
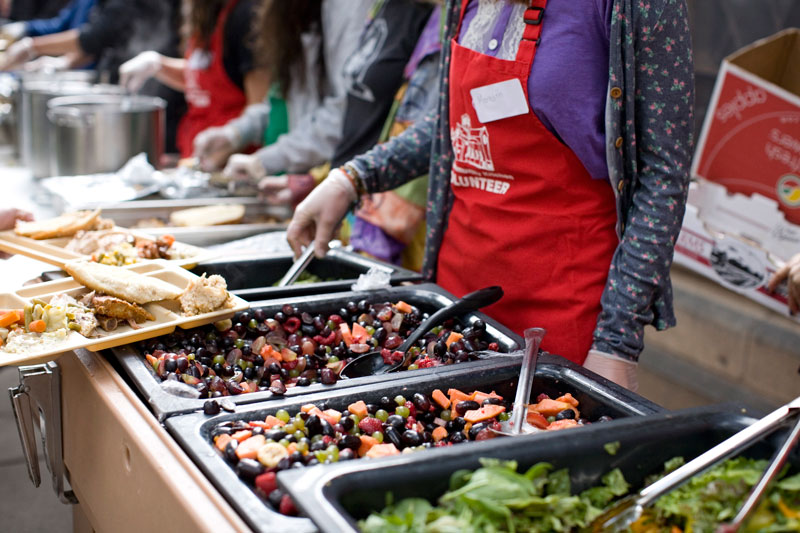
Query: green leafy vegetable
x=611, y=448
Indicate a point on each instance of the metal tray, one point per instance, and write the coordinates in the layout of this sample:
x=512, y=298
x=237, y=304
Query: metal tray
x=337, y=496
x=128, y=214
x=427, y=297
x=554, y=375
x=252, y=278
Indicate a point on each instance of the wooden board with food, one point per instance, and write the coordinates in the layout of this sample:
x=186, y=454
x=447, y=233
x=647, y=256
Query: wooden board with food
x=86, y=235
x=103, y=306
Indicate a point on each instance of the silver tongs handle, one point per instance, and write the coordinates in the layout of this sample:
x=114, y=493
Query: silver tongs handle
x=297, y=267
x=720, y=452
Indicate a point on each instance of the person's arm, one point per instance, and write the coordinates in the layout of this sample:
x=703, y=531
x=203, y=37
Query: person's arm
x=638, y=291
x=171, y=72
x=76, y=12
x=312, y=140
x=256, y=85
x=57, y=44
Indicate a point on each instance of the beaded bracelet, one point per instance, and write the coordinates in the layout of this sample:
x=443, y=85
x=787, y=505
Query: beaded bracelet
x=351, y=172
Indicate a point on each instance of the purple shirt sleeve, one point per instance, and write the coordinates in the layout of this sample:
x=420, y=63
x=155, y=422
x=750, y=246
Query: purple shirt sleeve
x=568, y=83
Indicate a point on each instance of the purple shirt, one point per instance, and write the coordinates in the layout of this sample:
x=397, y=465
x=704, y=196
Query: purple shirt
x=568, y=83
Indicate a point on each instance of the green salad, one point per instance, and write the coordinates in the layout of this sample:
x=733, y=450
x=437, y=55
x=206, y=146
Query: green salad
x=496, y=498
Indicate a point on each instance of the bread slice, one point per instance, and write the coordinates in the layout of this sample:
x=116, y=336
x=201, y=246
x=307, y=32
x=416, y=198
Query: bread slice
x=121, y=282
x=65, y=225
x=211, y=215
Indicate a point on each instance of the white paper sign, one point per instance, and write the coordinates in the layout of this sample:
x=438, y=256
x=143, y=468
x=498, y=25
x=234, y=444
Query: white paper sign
x=499, y=100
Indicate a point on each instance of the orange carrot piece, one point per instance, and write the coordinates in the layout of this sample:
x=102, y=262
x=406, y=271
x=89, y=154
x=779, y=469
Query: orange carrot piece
x=562, y=424
x=568, y=398
x=439, y=434
x=403, y=307
x=367, y=442
x=453, y=337
x=221, y=441
x=549, y=407
x=358, y=408
x=484, y=413
x=382, y=450
x=11, y=317
x=480, y=397
x=439, y=397
x=248, y=449
x=168, y=239
x=242, y=435
x=37, y=326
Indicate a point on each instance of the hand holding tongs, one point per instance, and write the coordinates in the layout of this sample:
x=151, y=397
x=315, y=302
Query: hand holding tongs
x=628, y=510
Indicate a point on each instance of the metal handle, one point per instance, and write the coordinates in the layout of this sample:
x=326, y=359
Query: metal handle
x=718, y=453
x=37, y=401
x=533, y=338
x=772, y=470
x=297, y=267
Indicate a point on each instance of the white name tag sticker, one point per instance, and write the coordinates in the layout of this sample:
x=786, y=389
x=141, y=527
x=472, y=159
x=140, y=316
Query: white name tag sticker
x=499, y=100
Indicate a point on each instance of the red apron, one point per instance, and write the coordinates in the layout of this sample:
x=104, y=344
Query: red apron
x=212, y=98
x=526, y=214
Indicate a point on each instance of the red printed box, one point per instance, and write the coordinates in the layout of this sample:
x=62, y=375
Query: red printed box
x=750, y=142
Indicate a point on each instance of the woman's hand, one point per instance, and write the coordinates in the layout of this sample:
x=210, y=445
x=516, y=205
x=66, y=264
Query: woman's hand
x=8, y=219
x=318, y=216
x=243, y=167
x=791, y=273
x=134, y=73
x=286, y=190
x=613, y=368
x=213, y=146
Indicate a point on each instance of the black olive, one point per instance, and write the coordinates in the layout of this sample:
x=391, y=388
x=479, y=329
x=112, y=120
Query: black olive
x=466, y=405
x=493, y=401
x=393, y=435
x=211, y=407
x=421, y=402
x=566, y=414
x=349, y=441
x=457, y=437
x=411, y=438
x=230, y=451
x=396, y=421
x=314, y=425
x=248, y=469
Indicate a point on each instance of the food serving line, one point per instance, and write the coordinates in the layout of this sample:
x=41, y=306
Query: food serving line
x=130, y=451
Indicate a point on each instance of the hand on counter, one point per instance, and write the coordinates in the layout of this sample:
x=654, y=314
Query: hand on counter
x=18, y=53
x=213, y=146
x=791, y=273
x=49, y=64
x=8, y=218
x=243, y=167
x=317, y=217
x=620, y=371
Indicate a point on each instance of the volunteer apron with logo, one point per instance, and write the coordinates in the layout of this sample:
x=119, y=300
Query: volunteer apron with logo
x=526, y=214
x=212, y=98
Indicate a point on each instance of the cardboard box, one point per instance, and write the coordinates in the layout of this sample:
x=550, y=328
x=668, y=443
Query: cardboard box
x=739, y=241
x=750, y=141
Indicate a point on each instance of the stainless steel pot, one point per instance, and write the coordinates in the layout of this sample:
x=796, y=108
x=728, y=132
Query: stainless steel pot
x=33, y=123
x=100, y=133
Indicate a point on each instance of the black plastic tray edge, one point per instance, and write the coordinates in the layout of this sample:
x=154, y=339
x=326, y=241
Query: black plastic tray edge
x=189, y=430
x=315, y=490
x=165, y=405
x=398, y=276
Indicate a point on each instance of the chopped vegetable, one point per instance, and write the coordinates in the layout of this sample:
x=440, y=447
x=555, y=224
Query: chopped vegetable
x=611, y=448
x=10, y=317
x=403, y=307
x=439, y=397
x=37, y=326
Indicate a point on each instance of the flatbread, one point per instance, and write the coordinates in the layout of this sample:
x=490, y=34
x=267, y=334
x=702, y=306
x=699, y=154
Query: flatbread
x=121, y=282
x=65, y=225
x=211, y=215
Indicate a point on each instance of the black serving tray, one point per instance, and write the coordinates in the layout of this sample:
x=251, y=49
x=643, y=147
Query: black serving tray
x=337, y=496
x=554, y=375
x=252, y=278
x=428, y=297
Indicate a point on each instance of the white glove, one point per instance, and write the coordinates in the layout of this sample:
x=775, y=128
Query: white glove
x=317, y=217
x=14, y=31
x=790, y=272
x=135, y=72
x=48, y=64
x=18, y=53
x=616, y=369
x=211, y=142
x=275, y=190
x=243, y=167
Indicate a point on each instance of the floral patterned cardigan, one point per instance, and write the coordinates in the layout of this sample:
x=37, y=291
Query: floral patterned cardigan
x=649, y=139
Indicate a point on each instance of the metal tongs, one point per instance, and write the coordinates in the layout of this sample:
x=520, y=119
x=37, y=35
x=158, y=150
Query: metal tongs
x=626, y=511
x=301, y=263
x=533, y=339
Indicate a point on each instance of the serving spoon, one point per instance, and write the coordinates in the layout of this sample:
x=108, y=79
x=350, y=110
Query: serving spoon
x=372, y=363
